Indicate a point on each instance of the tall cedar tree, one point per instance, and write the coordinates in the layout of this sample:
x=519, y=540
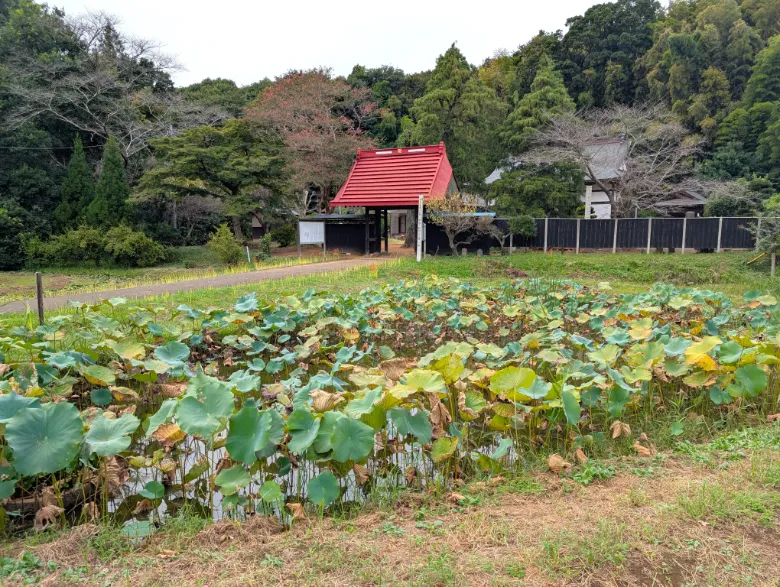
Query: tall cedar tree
x=77, y=190
x=764, y=83
x=109, y=206
x=460, y=110
x=548, y=97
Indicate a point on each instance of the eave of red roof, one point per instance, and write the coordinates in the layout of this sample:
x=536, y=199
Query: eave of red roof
x=395, y=178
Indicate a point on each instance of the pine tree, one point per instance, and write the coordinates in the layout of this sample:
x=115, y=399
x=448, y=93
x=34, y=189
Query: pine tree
x=109, y=207
x=764, y=83
x=548, y=97
x=77, y=190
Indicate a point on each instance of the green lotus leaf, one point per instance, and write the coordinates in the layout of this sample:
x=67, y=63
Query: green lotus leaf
x=450, y=367
x=101, y=396
x=8, y=481
x=174, y=353
x=193, y=417
x=416, y=424
x=153, y=490
x=674, y=368
x=139, y=529
x=720, y=396
x=270, y=491
x=128, y=349
x=11, y=403
x=617, y=398
x=98, y=375
x=571, y=407
x=245, y=382
x=443, y=449
x=606, y=355
x=513, y=383
x=46, y=439
x=303, y=430
x=108, y=437
x=351, y=440
x=206, y=403
x=161, y=416
x=695, y=352
x=246, y=303
x=232, y=479
x=425, y=380
x=752, y=379
x=322, y=442
x=677, y=346
x=250, y=431
x=730, y=352
x=503, y=448
x=323, y=489
x=363, y=404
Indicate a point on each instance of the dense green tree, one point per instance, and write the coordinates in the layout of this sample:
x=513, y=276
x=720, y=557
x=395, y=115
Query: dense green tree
x=764, y=83
x=76, y=191
x=548, y=97
x=537, y=191
x=242, y=167
x=109, y=207
x=224, y=93
x=730, y=162
x=764, y=15
x=743, y=45
x=460, y=110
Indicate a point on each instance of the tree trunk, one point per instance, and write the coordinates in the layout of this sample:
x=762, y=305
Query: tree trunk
x=453, y=245
x=410, y=241
x=174, y=216
x=237, y=232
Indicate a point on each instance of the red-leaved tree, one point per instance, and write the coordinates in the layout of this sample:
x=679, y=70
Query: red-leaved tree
x=321, y=121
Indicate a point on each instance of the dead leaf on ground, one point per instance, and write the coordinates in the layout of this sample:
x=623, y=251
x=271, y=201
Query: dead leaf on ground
x=642, y=450
x=143, y=506
x=619, y=429
x=773, y=418
x=497, y=480
x=361, y=474
x=173, y=389
x=47, y=516
x=410, y=475
x=557, y=464
x=581, y=457
x=455, y=497
x=296, y=511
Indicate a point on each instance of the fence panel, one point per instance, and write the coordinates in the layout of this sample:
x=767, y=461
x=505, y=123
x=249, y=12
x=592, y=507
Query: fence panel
x=736, y=235
x=666, y=233
x=562, y=233
x=632, y=233
x=596, y=234
x=702, y=233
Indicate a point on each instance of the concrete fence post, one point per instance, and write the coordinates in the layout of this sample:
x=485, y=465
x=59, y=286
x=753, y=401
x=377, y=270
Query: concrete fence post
x=758, y=231
x=545, y=233
x=685, y=226
x=649, y=233
x=720, y=232
x=614, y=237
x=577, y=248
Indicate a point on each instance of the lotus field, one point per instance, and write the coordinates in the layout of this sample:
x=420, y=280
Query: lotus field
x=311, y=401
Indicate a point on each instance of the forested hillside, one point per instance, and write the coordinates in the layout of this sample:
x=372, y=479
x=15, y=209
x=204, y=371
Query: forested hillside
x=94, y=133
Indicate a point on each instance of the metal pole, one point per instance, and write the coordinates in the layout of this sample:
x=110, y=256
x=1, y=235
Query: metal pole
x=545, y=233
x=248, y=256
x=39, y=295
x=720, y=231
x=387, y=231
x=577, y=248
x=649, y=232
x=758, y=231
x=685, y=226
x=419, y=227
x=614, y=238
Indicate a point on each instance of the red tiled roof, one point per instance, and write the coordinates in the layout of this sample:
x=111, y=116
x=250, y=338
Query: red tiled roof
x=396, y=177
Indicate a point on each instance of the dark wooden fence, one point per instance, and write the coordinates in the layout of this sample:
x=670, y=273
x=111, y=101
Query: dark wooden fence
x=647, y=234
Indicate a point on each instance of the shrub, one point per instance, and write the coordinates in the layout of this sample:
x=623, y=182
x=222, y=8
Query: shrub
x=285, y=235
x=225, y=245
x=133, y=249
x=265, y=247
x=523, y=225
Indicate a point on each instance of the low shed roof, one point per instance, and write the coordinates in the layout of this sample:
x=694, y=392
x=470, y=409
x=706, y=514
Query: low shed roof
x=395, y=178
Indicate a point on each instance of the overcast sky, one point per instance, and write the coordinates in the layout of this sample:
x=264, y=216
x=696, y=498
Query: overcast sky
x=247, y=40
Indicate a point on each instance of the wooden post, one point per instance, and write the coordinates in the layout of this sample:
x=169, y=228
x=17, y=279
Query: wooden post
x=758, y=231
x=773, y=272
x=685, y=226
x=614, y=238
x=387, y=232
x=577, y=248
x=720, y=231
x=545, y=233
x=39, y=295
x=649, y=232
x=368, y=227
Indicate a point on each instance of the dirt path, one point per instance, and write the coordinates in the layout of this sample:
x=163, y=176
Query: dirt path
x=156, y=289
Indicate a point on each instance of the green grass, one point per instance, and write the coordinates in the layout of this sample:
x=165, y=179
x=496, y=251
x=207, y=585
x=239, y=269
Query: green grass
x=715, y=503
x=566, y=554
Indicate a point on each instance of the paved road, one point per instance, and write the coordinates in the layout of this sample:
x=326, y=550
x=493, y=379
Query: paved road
x=52, y=303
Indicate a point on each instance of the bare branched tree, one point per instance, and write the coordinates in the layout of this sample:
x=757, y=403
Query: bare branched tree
x=456, y=214
x=655, y=159
x=117, y=86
